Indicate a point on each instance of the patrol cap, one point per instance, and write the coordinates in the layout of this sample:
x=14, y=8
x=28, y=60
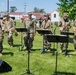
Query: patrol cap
x=30, y=13
x=6, y=14
x=45, y=15
x=65, y=14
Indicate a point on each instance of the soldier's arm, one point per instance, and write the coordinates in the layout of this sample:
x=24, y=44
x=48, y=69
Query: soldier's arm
x=60, y=24
x=14, y=28
x=12, y=24
x=68, y=24
x=74, y=29
x=2, y=24
x=35, y=26
x=24, y=23
x=48, y=25
x=42, y=25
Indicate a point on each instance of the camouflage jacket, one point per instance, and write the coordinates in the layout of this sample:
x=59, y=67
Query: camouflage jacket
x=47, y=25
x=30, y=25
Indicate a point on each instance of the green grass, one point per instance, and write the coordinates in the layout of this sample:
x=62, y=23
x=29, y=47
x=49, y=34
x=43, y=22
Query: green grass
x=40, y=64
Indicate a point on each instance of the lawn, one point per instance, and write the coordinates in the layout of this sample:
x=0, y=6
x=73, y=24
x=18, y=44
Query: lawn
x=40, y=64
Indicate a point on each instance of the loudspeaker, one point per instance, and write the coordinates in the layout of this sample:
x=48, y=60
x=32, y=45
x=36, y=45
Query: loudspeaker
x=4, y=67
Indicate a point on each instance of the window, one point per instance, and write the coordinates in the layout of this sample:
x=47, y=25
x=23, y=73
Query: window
x=54, y=15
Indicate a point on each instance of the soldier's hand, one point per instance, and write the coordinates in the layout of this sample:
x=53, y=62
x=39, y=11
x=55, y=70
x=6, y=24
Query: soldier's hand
x=6, y=30
x=16, y=34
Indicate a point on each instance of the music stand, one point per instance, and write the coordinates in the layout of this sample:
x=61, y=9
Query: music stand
x=67, y=33
x=43, y=32
x=57, y=38
x=21, y=30
x=28, y=69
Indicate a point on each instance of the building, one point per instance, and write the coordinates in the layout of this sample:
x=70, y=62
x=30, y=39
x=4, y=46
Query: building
x=17, y=15
x=55, y=16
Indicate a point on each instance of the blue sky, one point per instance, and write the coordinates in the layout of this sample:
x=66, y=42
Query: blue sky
x=47, y=5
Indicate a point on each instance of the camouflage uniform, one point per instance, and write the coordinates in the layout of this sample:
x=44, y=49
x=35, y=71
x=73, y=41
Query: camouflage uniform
x=64, y=25
x=47, y=25
x=1, y=37
x=9, y=29
x=30, y=25
x=74, y=38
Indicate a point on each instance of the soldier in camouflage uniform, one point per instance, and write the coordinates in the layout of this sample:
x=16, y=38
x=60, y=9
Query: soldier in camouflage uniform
x=9, y=28
x=1, y=36
x=30, y=25
x=64, y=25
x=46, y=25
x=74, y=39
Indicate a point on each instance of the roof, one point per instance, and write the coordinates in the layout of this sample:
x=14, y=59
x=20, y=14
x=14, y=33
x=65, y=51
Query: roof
x=16, y=13
x=38, y=15
x=56, y=11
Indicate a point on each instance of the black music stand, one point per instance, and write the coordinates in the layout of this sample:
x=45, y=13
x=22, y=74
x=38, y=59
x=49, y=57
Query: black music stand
x=67, y=33
x=42, y=32
x=57, y=38
x=28, y=69
x=21, y=30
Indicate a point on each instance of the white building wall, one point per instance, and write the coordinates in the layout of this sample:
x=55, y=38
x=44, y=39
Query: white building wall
x=55, y=19
x=17, y=17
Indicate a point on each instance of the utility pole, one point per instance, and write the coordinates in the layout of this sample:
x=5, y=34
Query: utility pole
x=25, y=8
x=8, y=6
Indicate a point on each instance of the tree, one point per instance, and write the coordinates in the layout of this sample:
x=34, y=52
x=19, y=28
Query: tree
x=38, y=10
x=68, y=6
x=13, y=9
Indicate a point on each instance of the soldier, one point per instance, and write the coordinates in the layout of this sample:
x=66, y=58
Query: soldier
x=74, y=30
x=46, y=25
x=9, y=28
x=30, y=25
x=64, y=25
x=1, y=36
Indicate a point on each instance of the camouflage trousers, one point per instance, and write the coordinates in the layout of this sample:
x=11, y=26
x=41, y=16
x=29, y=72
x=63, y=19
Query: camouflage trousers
x=74, y=40
x=1, y=42
x=28, y=40
x=64, y=46
x=46, y=44
x=10, y=38
x=1, y=47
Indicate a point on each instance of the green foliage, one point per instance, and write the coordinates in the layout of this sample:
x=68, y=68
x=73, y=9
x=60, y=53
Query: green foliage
x=40, y=64
x=68, y=6
x=13, y=9
x=38, y=10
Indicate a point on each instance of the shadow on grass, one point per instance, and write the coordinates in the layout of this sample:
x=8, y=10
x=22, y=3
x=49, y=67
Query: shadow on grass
x=31, y=49
x=7, y=53
x=70, y=52
x=16, y=45
x=64, y=73
x=34, y=49
x=53, y=50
